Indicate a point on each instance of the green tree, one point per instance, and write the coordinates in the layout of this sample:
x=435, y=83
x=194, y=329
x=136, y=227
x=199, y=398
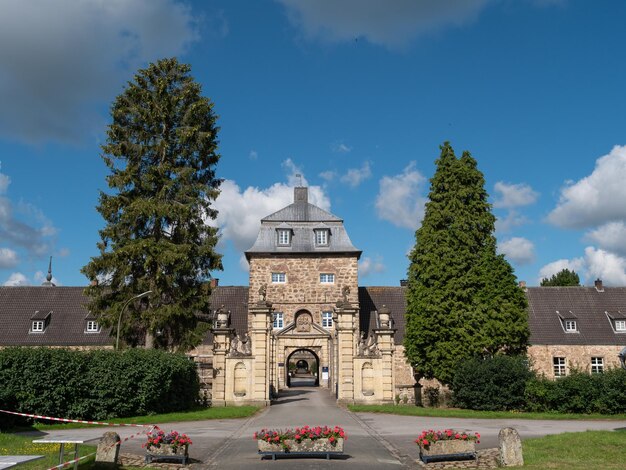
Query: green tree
x=564, y=277
x=462, y=298
x=161, y=151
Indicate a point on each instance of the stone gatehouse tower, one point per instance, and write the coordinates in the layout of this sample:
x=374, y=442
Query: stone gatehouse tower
x=303, y=299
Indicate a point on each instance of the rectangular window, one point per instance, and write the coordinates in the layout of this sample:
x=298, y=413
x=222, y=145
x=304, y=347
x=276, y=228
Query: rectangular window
x=321, y=237
x=597, y=365
x=92, y=326
x=570, y=326
x=278, y=320
x=620, y=325
x=558, y=364
x=279, y=278
x=327, y=278
x=327, y=319
x=284, y=237
x=37, y=326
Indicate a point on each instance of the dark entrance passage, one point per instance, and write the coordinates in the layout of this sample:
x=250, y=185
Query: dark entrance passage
x=302, y=369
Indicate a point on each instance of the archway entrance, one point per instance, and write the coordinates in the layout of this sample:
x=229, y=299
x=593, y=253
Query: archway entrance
x=302, y=369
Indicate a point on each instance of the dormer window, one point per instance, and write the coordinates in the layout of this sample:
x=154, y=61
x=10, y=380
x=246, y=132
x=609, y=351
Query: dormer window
x=620, y=326
x=321, y=237
x=92, y=326
x=283, y=237
x=39, y=321
x=570, y=326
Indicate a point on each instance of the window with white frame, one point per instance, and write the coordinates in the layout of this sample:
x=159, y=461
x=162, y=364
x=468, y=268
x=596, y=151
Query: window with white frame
x=327, y=278
x=37, y=326
x=327, y=319
x=279, y=278
x=321, y=237
x=570, y=326
x=597, y=365
x=620, y=325
x=278, y=320
x=92, y=326
x=558, y=365
x=283, y=237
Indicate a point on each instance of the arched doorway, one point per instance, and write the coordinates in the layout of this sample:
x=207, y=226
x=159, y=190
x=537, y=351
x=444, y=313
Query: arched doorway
x=302, y=369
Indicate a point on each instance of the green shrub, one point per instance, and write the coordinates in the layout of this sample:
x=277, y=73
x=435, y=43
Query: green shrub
x=96, y=385
x=579, y=392
x=494, y=384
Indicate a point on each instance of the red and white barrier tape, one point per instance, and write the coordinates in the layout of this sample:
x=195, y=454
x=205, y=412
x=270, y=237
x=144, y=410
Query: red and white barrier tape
x=74, y=420
x=70, y=462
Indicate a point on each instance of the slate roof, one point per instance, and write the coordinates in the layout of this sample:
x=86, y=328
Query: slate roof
x=61, y=307
x=235, y=299
x=591, y=309
x=373, y=298
x=302, y=218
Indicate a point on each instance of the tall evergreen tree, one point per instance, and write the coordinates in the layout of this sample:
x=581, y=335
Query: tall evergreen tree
x=462, y=298
x=161, y=151
x=564, y=277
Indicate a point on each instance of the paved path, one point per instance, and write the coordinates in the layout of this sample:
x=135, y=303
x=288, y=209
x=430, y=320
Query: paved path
x=379, y=441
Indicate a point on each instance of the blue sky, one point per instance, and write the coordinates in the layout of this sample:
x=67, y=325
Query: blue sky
x=354, y=95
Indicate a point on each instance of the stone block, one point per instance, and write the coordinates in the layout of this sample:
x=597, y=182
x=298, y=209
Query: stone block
x=510, y=446
x=108, y=451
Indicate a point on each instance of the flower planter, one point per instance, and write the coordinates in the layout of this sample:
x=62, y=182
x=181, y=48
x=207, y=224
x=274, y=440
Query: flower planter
x=167, y=452
x=448, y=450
x=304, y=447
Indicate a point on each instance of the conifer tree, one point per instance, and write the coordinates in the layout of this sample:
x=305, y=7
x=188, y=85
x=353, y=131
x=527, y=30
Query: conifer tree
x=462, y=298
x=161, y=150
x=564, y=277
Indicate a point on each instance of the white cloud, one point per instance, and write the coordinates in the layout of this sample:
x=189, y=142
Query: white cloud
x=253, y=155
x=62, y=60
x=514, y=195
x=606, y=266
x=399, y=200
x=610, y=237
x=328, y=175
x=550, y=269
x=8, y=258
x=595, y=199
x=369, y=266
x=4, y=181
x=391, y=24
x=17, y=279
x=355, y=176
x=341, y=147
x=519, y=250
x=240, y=211
x=513, y=219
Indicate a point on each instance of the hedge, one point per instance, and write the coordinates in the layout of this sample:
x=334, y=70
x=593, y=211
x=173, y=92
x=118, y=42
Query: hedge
x=96, y=385
x=494, y=383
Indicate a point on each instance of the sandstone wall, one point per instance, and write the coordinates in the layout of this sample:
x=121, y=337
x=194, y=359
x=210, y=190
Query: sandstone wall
x=576, y=357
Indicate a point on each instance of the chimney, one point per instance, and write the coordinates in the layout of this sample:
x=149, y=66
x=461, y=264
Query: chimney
x=404, y=283
x=214, y=282
x=300, y=194
x=598, y=284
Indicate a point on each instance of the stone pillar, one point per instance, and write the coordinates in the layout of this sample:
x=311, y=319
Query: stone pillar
x=108, y=451
x=260, y=330
x=510, y=448
x=221, y=345
x=386, y=347
x=346, y=326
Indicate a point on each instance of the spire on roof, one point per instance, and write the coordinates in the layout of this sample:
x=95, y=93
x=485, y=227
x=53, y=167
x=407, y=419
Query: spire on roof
x=48, y=281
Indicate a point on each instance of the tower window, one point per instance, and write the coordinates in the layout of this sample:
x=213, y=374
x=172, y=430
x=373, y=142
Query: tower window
x=321, y=237
x=283, y=237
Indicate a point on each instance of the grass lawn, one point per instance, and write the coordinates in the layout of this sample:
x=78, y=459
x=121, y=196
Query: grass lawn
x=11, y=444
x=602, y=450
x=411, y=410
x=224, y=412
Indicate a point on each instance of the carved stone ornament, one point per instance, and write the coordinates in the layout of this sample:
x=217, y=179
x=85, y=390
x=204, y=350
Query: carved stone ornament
x=240, y=345
x=303, y=323
x=344, y=302
x=367, y=347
